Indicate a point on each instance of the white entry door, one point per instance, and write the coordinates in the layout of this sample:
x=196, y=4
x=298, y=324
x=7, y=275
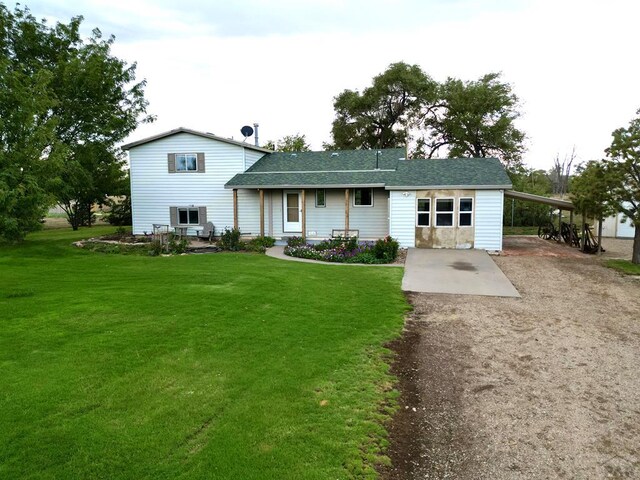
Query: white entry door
x=292, y=211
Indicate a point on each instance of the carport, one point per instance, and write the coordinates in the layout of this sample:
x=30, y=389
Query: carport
x=561, y=205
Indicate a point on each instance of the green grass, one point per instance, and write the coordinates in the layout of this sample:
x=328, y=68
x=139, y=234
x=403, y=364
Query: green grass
x=624, y=266
x=520, y=230
x=230, y=366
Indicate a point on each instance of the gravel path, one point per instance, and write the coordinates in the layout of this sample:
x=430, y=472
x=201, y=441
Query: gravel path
x=547, y=386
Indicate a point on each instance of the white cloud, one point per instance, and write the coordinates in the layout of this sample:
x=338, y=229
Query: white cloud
x=217, y=66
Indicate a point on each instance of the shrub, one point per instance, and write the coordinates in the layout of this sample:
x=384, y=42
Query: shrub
x=266, y=242
x=177, y=246
x=230, y=240
x=386, y=249
x=295, y=241
x=155, y=248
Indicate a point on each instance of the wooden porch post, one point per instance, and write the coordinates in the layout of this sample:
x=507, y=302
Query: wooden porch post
x=235, y=208
x=571, y=227
x=346, y=213
x=304, y=214
x=261, y=212
x=560, y=225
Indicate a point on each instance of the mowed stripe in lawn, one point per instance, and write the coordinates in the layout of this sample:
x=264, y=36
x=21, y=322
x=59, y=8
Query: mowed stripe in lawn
x=207, y=366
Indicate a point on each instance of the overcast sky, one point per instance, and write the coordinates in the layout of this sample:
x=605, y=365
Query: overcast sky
x=218, y=65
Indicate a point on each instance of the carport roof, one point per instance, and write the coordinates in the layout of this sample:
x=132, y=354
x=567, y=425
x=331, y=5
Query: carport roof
x=554, y=202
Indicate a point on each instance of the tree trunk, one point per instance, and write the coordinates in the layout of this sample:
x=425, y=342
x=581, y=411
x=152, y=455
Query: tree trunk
x=600, y=236
x=635, y=256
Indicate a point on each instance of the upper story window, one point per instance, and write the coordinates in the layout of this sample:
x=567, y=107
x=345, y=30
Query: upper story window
x=363, y=197
x=423, y=212
x=444, y=212
x=186, y=162
x=321, y=200
x=465, y=212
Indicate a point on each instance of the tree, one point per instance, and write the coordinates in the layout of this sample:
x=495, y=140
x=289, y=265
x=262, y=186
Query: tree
x=383, y=114
x=590, y=192
x=524, y=213
x=26, y=134
x=405, y=106
x=560, y=174
x=474, y=119
x=289, y=143
x=623, y=167
x=83, y=101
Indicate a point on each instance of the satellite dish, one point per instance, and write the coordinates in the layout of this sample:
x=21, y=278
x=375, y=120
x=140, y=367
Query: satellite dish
x=246, y=131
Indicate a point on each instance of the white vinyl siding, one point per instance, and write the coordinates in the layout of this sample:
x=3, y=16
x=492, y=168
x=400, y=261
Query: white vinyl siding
x=154, y=190
x=488, y=220
x=251, y=157
x=402, y=217
x=372, y=223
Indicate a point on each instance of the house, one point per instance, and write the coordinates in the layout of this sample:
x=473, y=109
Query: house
x=185, y=178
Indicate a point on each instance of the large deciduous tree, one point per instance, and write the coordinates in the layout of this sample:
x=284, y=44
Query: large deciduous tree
x=384, y=113
x=623, y=167
x=65, y=103
x=405, y=106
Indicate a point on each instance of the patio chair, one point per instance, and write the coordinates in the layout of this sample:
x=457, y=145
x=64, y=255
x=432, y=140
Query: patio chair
x=207, y=231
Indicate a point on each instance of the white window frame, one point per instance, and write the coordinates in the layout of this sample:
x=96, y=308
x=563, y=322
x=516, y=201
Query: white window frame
x=187, y=209
x=324, y=197
x=470, y=212
x=354, y=198
x=419, y=212
x=186, y=163
x=452, y=212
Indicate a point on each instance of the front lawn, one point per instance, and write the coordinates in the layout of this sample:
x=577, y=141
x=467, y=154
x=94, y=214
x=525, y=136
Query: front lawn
x=624, y=266
x=230, y=366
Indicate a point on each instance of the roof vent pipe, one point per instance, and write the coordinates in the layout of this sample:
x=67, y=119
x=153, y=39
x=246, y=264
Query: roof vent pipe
x=255, y=128
x=378, y=152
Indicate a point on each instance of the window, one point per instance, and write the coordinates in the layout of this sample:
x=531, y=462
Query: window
x=465, y=215
x=186, y=162
x=363, y=197
x=320, y=197
x=444, y=212
x=188, y=216
x=423, y=214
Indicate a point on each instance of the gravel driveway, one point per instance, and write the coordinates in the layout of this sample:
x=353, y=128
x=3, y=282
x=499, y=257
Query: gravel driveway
x=546, y=386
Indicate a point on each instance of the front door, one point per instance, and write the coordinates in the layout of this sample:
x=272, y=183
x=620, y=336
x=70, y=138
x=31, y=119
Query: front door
x=292, y=212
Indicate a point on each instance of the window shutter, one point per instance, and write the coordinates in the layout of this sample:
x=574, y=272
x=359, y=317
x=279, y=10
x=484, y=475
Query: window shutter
x=202, y=214
x=173, y=216
x=200, y=162
x=171, y=159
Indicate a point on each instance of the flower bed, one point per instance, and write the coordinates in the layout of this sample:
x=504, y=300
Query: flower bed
x=344, y=250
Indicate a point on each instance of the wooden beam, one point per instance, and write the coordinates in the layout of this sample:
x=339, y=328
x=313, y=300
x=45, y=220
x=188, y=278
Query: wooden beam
x=235, y=208
x=261, y=212
x=304, y=214
x=346, y=212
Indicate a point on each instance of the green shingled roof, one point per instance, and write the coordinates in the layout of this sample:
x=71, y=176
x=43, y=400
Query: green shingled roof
x=352, y=168
x=329, y=161
x=445, y=172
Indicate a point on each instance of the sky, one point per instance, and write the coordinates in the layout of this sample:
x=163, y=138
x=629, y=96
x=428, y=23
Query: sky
x=217, y=65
